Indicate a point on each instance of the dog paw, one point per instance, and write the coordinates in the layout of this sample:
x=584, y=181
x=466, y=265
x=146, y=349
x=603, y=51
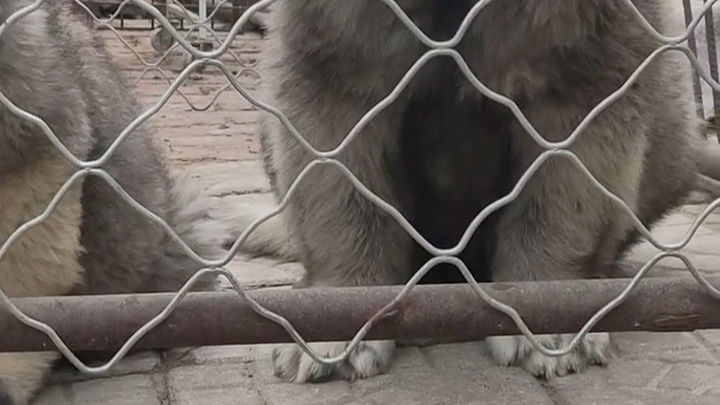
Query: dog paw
x=594, y=349
x=22, y=375
x=13, y=393
x=5, y=398
x=291, y=363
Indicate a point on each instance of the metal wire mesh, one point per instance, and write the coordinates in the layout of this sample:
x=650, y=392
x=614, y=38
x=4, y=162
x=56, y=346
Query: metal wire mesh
x=124, y=14
x=702, y=42
x=437, y=48
x=189, y=32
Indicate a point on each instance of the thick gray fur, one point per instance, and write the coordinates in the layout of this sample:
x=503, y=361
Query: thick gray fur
x=54, y=66
x=328, y=62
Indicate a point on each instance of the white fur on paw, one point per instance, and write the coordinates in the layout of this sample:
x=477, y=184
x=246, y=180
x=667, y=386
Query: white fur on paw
x=22, y=374
x=594, y=349
x=291, y=363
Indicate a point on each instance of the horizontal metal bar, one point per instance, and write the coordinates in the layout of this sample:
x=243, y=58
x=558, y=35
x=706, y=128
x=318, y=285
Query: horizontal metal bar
x=450, y=313
x=710, y=160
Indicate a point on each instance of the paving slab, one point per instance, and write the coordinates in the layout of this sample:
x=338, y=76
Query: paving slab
x=121, y=390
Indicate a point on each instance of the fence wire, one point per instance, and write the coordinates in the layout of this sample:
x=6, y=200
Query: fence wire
x=437, y=48
x=193, y=28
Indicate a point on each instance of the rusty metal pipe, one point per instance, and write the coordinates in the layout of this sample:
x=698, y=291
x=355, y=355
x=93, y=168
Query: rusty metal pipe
x=710, y=160
x=450, y=313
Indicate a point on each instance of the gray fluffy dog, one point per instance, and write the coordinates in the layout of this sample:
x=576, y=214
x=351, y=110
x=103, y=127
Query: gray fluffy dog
x=54, y=66
x=442, y=151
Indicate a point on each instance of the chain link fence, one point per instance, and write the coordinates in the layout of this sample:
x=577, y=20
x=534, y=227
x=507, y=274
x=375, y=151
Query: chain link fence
x=169, y=57
x=209, y=46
